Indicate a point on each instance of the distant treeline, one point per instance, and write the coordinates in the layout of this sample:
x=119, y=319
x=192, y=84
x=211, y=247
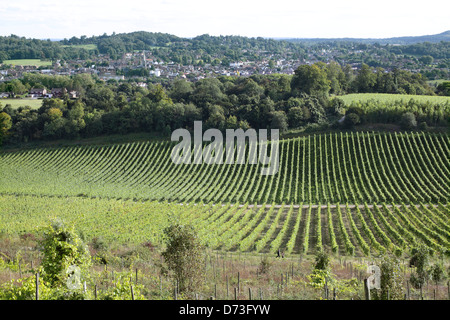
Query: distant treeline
x=202, y=49
x=261, y=101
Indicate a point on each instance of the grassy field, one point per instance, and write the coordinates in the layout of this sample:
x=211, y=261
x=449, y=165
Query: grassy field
x=82, y=46
x=28, y=62
x=16, y=103
x=385, y=97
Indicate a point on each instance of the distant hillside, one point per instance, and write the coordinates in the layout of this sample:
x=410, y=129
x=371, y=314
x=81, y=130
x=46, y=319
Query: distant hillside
x=444, y=36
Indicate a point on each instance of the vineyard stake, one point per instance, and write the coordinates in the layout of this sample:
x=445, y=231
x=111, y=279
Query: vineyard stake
x=37, y=286
x=366, y=289
x=227, y=285
x=132, y=293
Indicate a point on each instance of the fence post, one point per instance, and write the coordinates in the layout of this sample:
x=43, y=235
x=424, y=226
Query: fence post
x=37, y=286
x=132, y=293
x=366, y=290
x=227, y=286
x=239, y=282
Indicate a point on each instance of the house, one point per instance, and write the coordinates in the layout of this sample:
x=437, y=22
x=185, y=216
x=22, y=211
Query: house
x=58, y=92
x=38, y=92
x=73, y=94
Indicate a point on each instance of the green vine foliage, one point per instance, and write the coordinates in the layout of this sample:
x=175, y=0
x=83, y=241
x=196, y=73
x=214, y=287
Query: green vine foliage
x=63, y=248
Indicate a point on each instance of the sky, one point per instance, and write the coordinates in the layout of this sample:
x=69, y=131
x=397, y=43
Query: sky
x=56, y=19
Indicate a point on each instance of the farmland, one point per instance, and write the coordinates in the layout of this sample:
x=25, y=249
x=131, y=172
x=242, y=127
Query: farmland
x=347, y=230
x=16, y=103
x=357, y=196
x=28, y=62
x=353, y=193
x=324, y=168
x=387, y=98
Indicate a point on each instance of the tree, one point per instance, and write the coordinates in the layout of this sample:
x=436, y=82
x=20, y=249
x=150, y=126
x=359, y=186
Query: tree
x=350, y=120
x=408, y=121
x=390, y=280
x=5, y=125
x=180, y=91
x=419, y=260
x=311, y=80
x=295, y=117
x=279, y=121
x=366, y=79
x=184, y=256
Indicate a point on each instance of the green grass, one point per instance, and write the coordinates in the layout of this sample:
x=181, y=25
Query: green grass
x=82, y=46
x=28, y=62
x=386, y=97
x=16, y=103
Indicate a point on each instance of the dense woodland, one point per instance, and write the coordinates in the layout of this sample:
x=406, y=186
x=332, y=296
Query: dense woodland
x=284, y=102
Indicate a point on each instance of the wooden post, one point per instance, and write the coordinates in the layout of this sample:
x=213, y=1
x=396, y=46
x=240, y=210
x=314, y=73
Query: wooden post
x=249, y=293
x=235, y=293
x=215, y=291
x=95, y=292
x=136, y=275
x=239, y=282
x=227, y=286
x=448, y=290
x=37, y=286
x=366, y=290
x=132, y=293
x=407, y=289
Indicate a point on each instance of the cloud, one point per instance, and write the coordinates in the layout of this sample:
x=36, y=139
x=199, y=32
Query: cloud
x=280, y=18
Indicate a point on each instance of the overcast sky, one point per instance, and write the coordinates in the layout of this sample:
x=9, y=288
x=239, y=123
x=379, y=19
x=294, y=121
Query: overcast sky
x=189, y=18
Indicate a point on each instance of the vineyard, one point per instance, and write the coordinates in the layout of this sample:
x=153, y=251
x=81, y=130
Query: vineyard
x=349, y=193
x=327, y=168
x=361, y=230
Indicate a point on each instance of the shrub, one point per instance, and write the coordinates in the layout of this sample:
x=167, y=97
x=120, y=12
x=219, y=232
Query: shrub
x=184, y=256
x=408, y=121
x=62, y=249
x=351, y=119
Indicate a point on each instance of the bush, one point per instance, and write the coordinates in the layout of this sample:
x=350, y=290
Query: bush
x=351, y=119
x=184, y=256
x=390, y=280
x=322, y=261
x=408, y=121
x=63, y=249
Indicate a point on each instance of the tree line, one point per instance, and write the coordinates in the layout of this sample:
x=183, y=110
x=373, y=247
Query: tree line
x=310, y=96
